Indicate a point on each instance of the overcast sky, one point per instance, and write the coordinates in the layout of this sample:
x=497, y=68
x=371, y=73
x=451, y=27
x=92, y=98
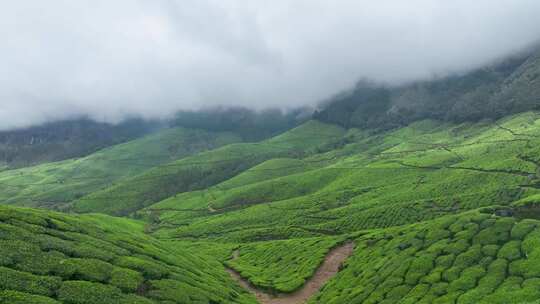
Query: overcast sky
x=112, y=58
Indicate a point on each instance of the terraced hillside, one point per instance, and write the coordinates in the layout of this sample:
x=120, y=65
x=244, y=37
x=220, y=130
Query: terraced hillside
x=205, y=169
x=475, y=257
x=426, y=170
x=438, y=212
x=48, y=257
x=55, y=185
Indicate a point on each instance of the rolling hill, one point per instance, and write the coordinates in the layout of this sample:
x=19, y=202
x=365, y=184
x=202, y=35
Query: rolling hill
x=55, y=185
x=354, y=206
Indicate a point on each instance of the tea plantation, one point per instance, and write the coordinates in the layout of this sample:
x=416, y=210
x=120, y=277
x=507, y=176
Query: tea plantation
x=48, y=257
x=475, y=257
x=281, y=266
x=438, y=212
x=55, y=185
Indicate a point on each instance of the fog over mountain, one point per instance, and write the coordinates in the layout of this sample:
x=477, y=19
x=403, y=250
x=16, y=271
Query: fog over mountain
x=112, y=59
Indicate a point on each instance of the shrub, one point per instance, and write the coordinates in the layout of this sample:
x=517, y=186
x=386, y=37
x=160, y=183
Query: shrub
x=438, y=247
x=496, y=233
x=436, y=234
x=510, y=251
x=90, y=251
x=15, y=297
x=84, y=269
x=420, y=266
x=531, y=242
x=175, y=291
x=126, y=279
x=41, y=263
x=15, y=251
x=522, y=228
x=457, y=247
x=445, y=261
x=452, y=273
x=398, y=293
x=469, y=257
x=434, y=276
x=490, y=250
x=467, y=279
x=415, y=294
x=150, y=270
x=81, y=292
x=21, y=281
x=439, y=289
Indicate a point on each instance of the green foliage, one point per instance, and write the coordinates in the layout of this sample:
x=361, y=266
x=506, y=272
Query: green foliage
x=440, y=212
x=282, y=266
x=417, y=173
x=43, y=262
x=61, y=140
x=125, y=279
x=84, y=269
x=55, y=185
x=150, y=269
x=15, y=297
x=81, y=292
x=484, y=93
x=204, y=170
x=471, y=276
x=21, y=281
x=251, y=125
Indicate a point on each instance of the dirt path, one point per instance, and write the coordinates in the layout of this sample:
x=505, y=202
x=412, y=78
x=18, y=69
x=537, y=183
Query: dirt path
x=330, y=267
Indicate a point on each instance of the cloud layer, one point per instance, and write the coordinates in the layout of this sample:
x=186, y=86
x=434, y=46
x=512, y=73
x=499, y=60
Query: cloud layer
x=111, y=59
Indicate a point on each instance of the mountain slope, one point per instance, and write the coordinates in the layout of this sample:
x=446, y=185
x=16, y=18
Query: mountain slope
x=49, y=257
x=205, y=169
x=438, y=211
x=62, y=140
x=504, y=88
x=475, y=257
x=421, y=172
x=55, y=185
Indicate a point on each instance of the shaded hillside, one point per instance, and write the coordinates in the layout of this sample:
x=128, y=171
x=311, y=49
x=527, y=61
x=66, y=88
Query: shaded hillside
x=424, y=171
x=65, y=139
x=438, y=211
x=510, y=86
x=251, y=125
x=205, y=169
x=55, y=185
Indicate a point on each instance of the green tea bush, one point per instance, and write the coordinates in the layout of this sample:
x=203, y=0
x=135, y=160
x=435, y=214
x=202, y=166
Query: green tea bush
x=282, y=266
x=125, y=279
x=84, y=269
x=21, y=281
x=81, y=292
x=510, y=251
x=15, y=297
x=52, y=271
x=455, y=269
x=151, y=270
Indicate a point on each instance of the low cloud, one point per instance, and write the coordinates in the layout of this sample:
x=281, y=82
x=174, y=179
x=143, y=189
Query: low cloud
x=112, y=59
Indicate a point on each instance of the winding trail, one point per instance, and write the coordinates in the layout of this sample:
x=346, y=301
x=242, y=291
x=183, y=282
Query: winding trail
x=330, y=267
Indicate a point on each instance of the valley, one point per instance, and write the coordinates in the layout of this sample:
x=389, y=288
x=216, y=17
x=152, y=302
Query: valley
x=435, y=209
x=270, y=152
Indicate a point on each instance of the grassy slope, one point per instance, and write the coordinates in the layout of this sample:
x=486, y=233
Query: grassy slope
x=416, y=173
x=54, y=184
x=427, y=172
x=469, y=258
x=47, y=257
x=409, y=197
x=205, y=169
x=281, y=266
